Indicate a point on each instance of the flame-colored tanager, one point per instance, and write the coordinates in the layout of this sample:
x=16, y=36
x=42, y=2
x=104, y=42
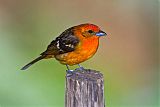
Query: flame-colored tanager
x=73, y=46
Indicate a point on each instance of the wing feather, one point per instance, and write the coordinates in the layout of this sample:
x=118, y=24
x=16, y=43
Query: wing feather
x=64, y=43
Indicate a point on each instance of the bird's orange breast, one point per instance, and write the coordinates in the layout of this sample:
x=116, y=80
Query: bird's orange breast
x=86, y=49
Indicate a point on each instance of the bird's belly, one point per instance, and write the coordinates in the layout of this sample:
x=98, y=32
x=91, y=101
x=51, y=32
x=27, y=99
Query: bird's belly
x=78, y=55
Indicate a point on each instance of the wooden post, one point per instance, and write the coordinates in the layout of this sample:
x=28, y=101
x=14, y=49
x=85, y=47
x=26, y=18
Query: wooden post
x=84, y=88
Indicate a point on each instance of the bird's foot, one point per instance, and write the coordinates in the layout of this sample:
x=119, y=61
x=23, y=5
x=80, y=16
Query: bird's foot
x=80, y=68
x=69, y=72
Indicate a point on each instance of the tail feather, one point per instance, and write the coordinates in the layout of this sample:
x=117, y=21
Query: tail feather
x=32, y=62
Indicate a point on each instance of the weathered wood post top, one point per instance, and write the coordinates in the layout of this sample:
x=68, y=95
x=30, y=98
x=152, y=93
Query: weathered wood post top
x=84, y=88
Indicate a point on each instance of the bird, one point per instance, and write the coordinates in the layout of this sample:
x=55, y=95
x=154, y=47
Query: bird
x=73, y=46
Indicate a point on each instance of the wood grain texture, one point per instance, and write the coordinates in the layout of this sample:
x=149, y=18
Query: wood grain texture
x=84, y=88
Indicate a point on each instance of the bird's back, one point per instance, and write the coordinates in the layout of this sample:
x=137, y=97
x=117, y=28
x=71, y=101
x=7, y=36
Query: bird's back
x=64, y=43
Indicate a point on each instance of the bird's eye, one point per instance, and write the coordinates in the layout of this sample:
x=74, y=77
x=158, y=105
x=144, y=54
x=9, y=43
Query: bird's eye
x=90, y=31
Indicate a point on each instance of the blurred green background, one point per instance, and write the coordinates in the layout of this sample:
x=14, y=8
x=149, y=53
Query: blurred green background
x=128, y=58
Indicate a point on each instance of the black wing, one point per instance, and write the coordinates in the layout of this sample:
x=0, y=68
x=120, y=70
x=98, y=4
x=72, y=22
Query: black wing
x=64, y=43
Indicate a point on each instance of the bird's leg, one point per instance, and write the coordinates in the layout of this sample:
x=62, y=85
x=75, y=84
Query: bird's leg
x=68, y=70
x=80, y=67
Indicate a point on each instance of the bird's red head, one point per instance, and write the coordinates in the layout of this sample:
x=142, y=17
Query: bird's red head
x=87, y=26
x=89, y=30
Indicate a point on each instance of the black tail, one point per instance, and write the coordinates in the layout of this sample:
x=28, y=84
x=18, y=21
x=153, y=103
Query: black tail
x=31, y=63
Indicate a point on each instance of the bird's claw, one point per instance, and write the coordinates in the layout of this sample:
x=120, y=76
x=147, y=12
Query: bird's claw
x=69, y=71
x=80, y=68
